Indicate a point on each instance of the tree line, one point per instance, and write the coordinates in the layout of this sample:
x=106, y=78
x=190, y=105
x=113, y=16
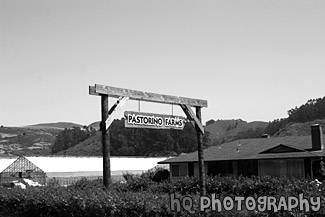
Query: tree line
x=136, y=141
x=68, y=138
x=313, y=109
x=153, y=142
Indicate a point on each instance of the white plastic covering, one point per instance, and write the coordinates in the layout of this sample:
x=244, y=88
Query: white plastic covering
x=81, y=164
x=19, y=184
x=32, y=183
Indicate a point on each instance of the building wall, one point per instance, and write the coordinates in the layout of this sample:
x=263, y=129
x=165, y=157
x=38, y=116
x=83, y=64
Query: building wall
x=233, y=168
x=196, y=169
x=7, y=177
x=247, y=168
x=221, y=168
x=278, y=168
x=282, y=168
x=179, y=170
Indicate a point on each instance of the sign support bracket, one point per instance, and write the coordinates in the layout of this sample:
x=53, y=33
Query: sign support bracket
x=114, y=110
x=191, y=116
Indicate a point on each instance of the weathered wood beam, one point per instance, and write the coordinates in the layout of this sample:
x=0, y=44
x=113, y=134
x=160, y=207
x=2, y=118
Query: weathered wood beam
x=200, y=153
x=145, y=96
x=115, y=110
x=191, y=116
x=92, y=91
x=105, y=142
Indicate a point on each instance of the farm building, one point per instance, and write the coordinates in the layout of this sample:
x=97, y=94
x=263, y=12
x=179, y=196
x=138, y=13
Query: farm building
x=67, y=170
x=19, y=168
x=291, y=156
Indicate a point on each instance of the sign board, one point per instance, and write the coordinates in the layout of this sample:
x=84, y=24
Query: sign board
x=153, y=121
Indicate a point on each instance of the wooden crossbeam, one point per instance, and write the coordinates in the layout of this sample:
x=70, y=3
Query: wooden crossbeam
x=191, y=116
x=92, y=91
x=145, y=96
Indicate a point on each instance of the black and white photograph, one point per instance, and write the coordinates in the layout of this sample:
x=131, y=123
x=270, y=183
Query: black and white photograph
x=162, y=108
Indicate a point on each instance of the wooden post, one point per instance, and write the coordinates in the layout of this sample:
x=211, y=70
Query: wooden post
x=105, y=142
x=200, y=154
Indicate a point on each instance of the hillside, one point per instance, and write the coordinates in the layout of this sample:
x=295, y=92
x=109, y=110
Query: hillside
x=225, y=130
x=151, y=142
x=313, y=109
x=38, y=139
x=90, y=147
x=229, y=130
x=26, y=141
x=95, y=125
x=300, y=129
x=58, y=125
x=221, y=130
x=30, y=140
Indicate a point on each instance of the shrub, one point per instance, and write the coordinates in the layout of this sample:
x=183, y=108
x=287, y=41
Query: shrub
x=84, y=183
x=140, y=196
x=53, y=182
x=161, y=175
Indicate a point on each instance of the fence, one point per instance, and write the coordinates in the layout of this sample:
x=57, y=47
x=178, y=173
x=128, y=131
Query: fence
x=7, y=179
x=65, y=181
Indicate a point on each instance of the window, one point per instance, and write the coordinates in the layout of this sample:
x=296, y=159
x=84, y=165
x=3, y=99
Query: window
x=280, y=168
x=183, y=170
x=175, y=170
x=225, y=168
x=179, y=170
x=29, y=172
x=191, y=169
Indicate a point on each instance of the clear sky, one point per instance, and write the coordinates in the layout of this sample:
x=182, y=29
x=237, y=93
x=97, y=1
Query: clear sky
x=252, y=59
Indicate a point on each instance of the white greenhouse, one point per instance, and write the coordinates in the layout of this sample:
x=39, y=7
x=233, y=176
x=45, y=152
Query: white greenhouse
x=67, y=169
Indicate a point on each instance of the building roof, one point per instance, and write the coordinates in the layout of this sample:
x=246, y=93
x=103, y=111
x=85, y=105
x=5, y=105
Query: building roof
x=22, y=164
x=258, y=148
x=83, y=164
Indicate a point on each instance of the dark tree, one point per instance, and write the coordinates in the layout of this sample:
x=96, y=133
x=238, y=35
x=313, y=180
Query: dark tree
x=313, y=109
x=71, y=137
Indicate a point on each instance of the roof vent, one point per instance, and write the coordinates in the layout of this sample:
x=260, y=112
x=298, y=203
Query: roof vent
x=316, y=137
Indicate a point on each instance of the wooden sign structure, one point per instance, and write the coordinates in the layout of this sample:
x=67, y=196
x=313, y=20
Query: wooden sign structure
x=123, y=95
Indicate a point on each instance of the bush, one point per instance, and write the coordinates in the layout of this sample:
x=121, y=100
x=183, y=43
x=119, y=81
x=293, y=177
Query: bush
x=84, y=183
x=140, y=196
x=143, y=182
x=53, y=182
x=135, y=183
x=161, y=175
